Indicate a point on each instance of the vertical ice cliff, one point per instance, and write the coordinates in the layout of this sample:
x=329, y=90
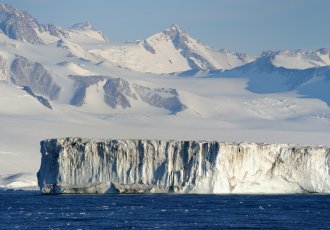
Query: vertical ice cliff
x=75, y=165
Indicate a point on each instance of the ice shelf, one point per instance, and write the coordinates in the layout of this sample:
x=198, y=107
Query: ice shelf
x=76, y=165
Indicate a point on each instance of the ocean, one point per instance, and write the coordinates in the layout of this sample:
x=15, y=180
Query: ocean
x=31, y=210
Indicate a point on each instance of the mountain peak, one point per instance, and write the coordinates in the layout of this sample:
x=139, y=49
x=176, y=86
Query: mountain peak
x=324, y=51
x=82, y=26
x=174, y=28
x=173, y=33
x=19, y=25
x=89, y=31
x=269, y=53
x=6, y=7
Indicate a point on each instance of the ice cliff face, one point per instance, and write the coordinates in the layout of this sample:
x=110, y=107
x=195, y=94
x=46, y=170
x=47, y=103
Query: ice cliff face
x=75, y=165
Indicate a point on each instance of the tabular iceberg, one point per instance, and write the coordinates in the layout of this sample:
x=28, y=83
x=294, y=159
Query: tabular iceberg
x=76, y=165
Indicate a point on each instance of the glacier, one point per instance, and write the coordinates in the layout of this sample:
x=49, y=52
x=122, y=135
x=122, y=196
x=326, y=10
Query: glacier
x=78, y=165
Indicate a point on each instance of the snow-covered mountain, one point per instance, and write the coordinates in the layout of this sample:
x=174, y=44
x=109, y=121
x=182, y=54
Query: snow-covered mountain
x=265, y=77
x=23, y=27
x=117, y=92
x=299, y=59
x=172, y=50
x=74, y=82
x=87, y=30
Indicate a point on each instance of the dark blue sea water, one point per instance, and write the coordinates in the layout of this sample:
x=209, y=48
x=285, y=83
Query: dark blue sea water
x=30, y=210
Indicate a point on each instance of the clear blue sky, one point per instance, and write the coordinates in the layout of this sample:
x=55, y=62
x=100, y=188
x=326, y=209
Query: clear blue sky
x=240, y=25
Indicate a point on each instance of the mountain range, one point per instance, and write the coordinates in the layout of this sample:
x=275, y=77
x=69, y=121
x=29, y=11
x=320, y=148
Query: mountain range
x=170, y=51
x=75, y=81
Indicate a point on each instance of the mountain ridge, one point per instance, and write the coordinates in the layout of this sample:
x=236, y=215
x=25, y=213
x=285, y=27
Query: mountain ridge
x=172, y=50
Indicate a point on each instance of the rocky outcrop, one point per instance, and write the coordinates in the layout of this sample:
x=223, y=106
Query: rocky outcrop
x=117, y=92
x=21, y=26
x=81, y=83
x=18, y=25
x=121, y=93
x=75, y=165
x=3, y=68
x=160, y=97
x=42, y=100
x=35, y=76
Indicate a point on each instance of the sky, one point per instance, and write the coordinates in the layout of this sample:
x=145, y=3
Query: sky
x=249, y=26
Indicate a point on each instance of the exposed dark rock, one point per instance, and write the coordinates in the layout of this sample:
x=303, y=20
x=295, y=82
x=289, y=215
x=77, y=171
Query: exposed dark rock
x=160, y=97
x=42, y=100
x=81, y=83
x=117, y=91
x=35, y=76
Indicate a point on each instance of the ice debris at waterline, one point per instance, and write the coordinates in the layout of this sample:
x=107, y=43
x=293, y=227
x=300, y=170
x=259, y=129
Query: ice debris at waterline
x=75, y=165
